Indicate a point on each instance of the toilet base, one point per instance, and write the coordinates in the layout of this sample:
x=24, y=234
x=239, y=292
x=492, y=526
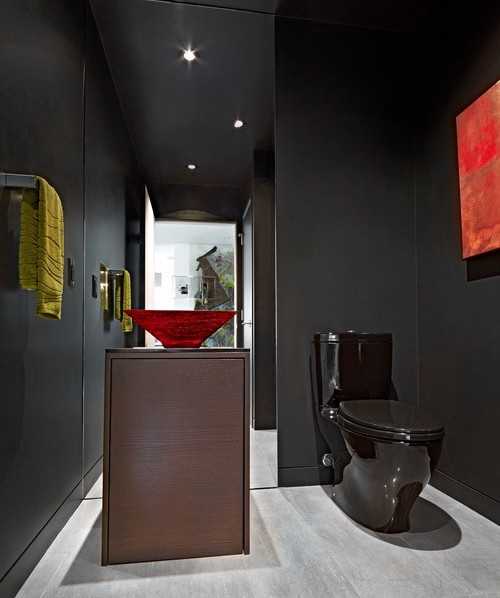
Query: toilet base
x=379, y=484
x=399, y=520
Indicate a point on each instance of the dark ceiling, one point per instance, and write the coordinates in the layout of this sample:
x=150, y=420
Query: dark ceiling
x=398, y=15
x=181, y=113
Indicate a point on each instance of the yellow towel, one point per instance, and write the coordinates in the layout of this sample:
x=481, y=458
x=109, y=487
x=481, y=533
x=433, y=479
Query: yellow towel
x=28, y=241
x=127, y=324
x=41, y=248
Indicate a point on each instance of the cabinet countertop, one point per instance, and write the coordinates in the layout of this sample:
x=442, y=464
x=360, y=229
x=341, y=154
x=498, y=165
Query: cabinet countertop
x=206, y=350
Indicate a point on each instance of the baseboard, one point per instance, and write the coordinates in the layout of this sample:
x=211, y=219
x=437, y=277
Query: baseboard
x=90, y=478
x=21, y=569
x=485, y=505
x=304, y=476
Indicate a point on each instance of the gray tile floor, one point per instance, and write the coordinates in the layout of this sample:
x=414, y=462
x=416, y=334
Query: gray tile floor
x=263, y=458
x=302, y=546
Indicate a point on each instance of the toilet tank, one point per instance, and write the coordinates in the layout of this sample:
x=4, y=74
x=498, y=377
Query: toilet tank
x=352, y=365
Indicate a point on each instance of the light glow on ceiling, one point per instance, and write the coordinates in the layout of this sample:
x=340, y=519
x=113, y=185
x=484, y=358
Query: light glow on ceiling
x=189, y=55
x=238, y=123
x=191, y=166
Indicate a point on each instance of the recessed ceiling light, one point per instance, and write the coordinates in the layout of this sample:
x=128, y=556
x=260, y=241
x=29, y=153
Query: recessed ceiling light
x=238, y=123
x=191, y=166
x=189, y=55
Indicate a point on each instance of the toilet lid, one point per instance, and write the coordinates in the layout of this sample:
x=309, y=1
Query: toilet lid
x=389, y=419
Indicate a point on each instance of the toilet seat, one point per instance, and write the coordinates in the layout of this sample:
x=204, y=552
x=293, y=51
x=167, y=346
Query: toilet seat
x=389, y=420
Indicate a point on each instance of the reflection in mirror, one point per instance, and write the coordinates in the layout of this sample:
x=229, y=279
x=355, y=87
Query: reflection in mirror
x=195, y=268
x=196, y=84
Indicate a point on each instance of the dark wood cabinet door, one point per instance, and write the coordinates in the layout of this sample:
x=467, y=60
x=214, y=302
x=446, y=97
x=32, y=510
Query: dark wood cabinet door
x=176, y=462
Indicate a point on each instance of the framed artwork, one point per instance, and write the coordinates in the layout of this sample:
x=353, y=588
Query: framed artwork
x=478, y=136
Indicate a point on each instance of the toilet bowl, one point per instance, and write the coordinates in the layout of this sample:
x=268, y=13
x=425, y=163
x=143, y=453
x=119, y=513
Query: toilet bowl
x=382, y=451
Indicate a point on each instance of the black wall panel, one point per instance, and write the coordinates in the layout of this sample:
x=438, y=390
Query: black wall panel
x=59, y=118
x=459, y=332
x=345, y=245
x=109, y=180
x=41, y=102
x=264, y=305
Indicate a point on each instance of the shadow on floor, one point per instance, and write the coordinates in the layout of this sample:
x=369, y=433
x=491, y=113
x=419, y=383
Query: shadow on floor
x=86, y=566
x=431, y=528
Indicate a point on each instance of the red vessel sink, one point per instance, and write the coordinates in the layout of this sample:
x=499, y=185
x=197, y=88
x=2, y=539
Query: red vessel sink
x=176, y=328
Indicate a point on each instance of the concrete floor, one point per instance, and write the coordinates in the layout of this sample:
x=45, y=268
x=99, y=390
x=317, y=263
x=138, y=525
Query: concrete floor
x=263, y=458
x=302, y=546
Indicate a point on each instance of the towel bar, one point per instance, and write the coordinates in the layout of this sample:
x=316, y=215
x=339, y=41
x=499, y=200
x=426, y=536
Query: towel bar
x=116, y=274
x=26, y=181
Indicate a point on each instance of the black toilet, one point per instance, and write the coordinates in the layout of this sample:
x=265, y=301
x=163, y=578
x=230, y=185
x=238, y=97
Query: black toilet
x=382, y=451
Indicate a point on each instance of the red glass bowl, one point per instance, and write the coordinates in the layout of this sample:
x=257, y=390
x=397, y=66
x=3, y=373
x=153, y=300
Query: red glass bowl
x=176, y=328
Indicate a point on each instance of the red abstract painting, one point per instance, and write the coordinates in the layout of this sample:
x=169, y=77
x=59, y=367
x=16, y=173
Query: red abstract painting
x=478, y=133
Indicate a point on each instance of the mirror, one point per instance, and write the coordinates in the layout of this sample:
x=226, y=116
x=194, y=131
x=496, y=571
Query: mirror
x=194, y=267
x=196, y=84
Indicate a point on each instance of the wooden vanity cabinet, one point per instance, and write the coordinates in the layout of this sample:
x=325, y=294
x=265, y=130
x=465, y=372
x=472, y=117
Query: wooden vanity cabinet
x=176, y=454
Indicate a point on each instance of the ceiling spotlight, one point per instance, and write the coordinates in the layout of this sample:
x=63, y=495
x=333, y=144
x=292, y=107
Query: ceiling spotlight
x=191, y=166
x=238, y=123
x=189, y=55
